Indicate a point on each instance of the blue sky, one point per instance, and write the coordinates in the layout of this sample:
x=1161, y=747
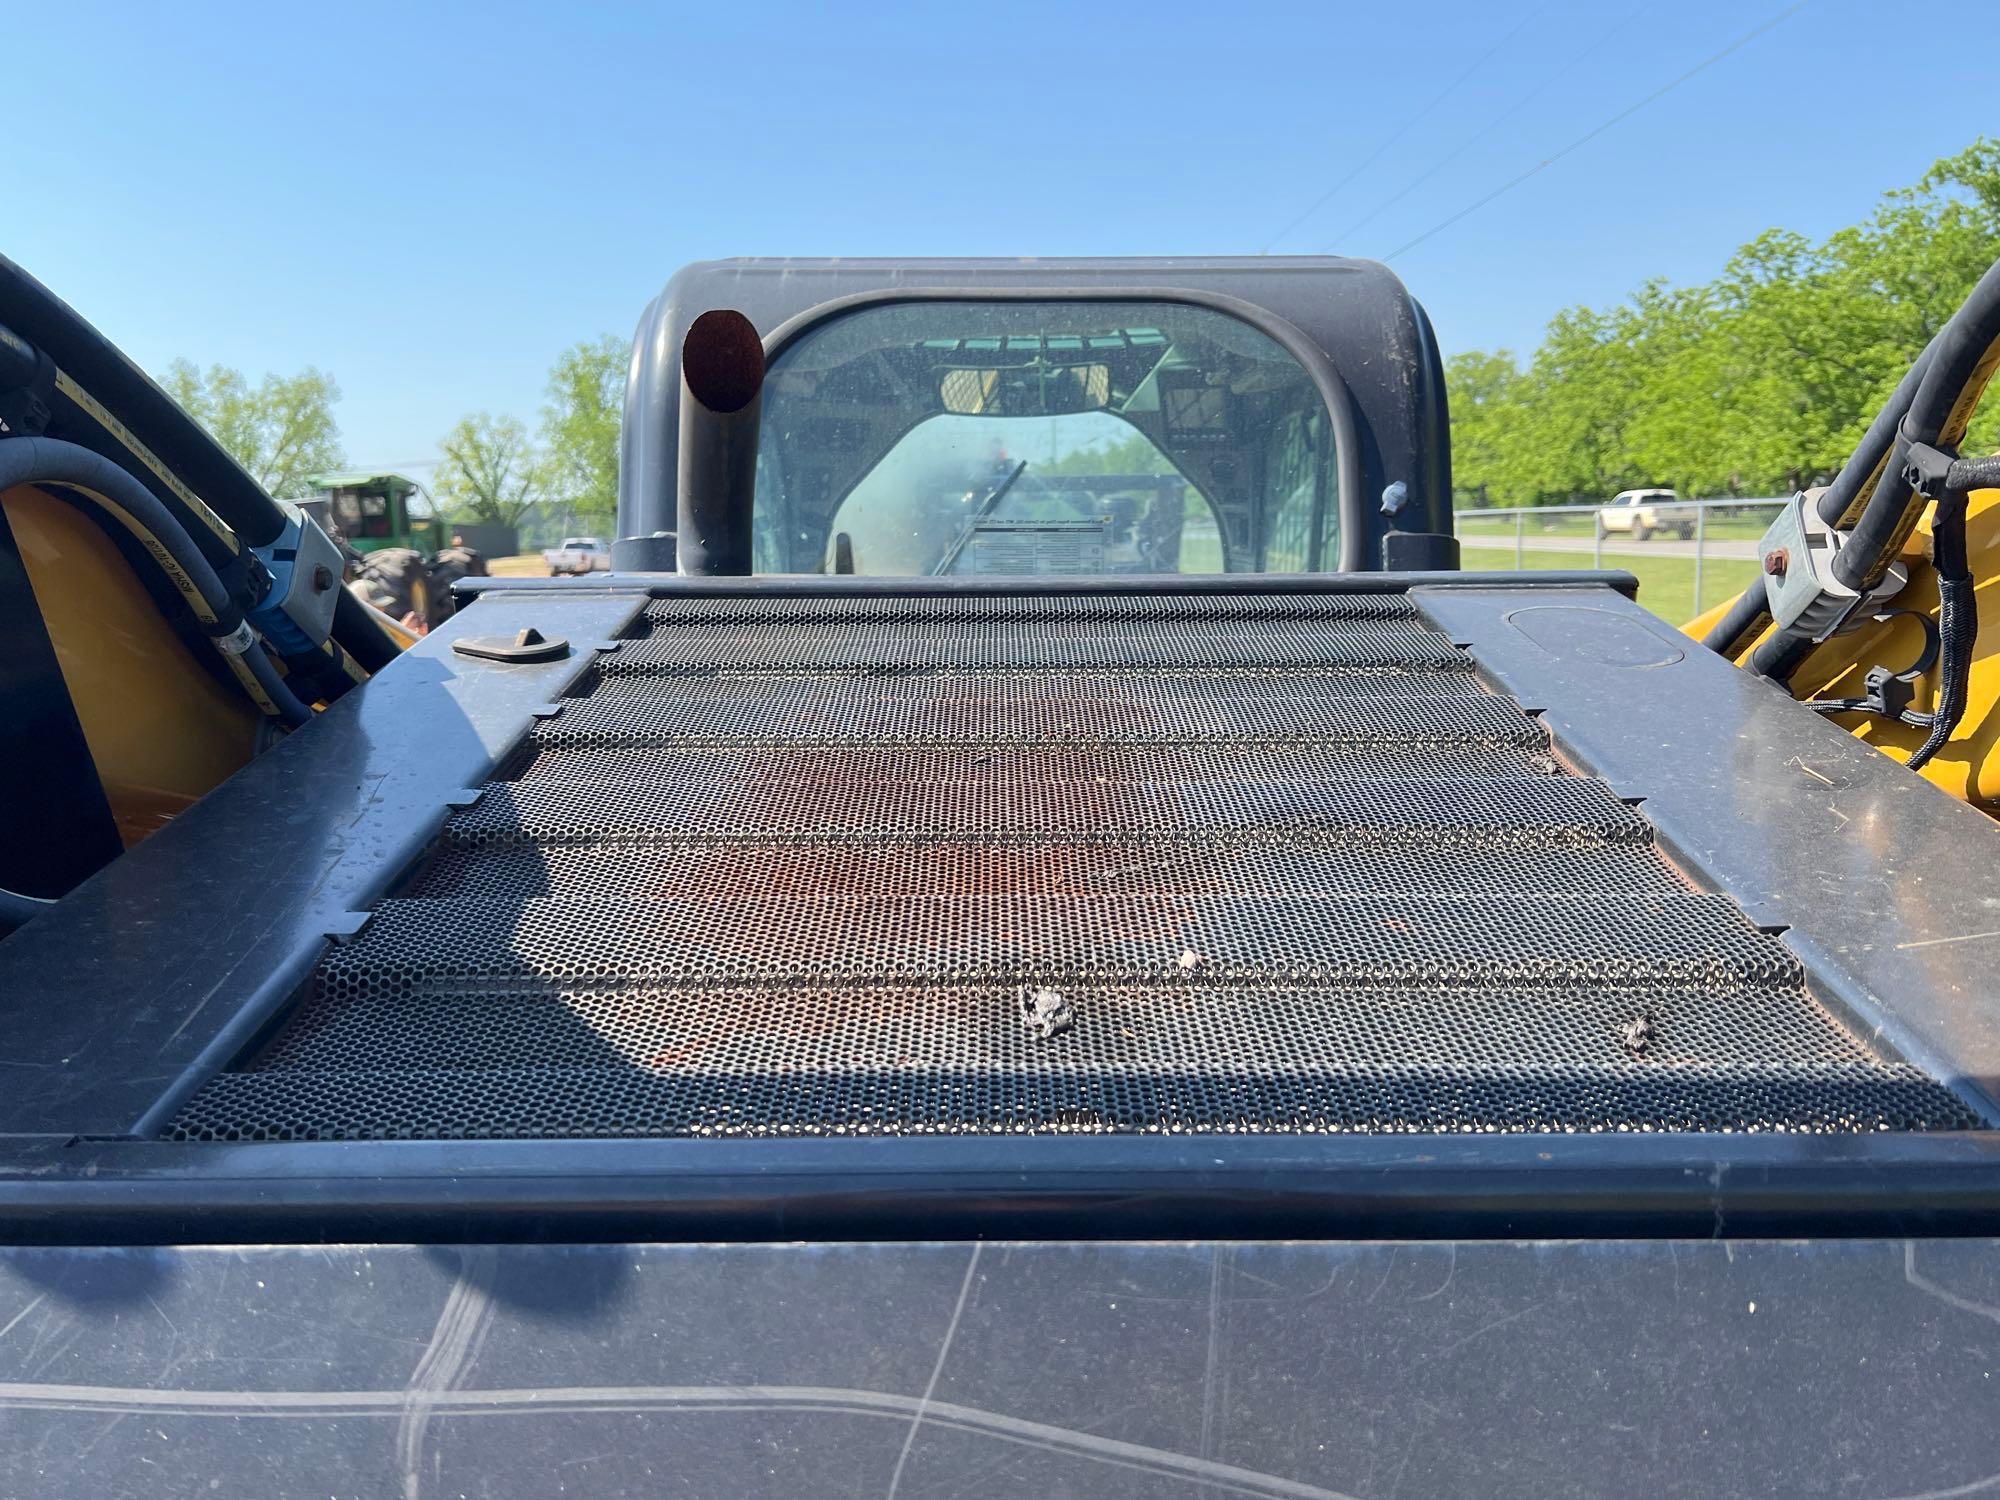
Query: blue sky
x=431, y=201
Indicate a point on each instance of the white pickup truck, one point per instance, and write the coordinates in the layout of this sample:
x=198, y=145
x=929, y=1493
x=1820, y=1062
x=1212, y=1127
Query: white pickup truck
x=578, y=554
x=1640, y=513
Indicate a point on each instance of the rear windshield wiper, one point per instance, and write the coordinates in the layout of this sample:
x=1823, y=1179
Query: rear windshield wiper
x=972, y=522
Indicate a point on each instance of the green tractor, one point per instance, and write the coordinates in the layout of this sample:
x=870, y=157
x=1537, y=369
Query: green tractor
x=401, y=555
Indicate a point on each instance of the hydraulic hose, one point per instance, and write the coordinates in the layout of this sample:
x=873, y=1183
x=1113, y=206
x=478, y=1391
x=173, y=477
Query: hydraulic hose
x=77, y=474
x=1963, y=357
x=1858, y=478
x=1840, y=505
x=40, y=460
x=1958, y=625
x=289, y=708
x=1951, y=481
x=218, y=504
x=1739, y=625
x=1948, y=378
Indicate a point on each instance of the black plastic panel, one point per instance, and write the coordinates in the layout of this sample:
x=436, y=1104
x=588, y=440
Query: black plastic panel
x=166, y=963
x=1490, y=1371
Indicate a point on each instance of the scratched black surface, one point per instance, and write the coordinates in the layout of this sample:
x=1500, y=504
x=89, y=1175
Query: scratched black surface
x=1880, y=882
x=1862, y=1368
x=170, y=956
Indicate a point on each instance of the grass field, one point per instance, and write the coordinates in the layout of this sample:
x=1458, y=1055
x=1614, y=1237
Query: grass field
x=526, y=565
x=1666, y=584
x=1730, y=525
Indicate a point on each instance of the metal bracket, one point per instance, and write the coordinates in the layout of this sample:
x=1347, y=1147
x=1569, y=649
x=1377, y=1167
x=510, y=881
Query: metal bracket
x=1798, y=551
x=299, y=584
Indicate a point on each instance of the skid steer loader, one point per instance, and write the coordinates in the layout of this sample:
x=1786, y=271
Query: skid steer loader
x=1035, y=931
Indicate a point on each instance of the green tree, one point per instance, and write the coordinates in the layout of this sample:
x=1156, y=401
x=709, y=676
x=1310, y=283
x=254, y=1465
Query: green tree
x=580, y=425
x=490, y=472
x=281, y=430
x=1667, y=437
x=1581, y=390
x=1133, y=453
x=1760, y=381
x=1484, y=396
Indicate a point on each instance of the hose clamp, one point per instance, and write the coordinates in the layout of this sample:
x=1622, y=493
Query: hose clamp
x=1927, y=470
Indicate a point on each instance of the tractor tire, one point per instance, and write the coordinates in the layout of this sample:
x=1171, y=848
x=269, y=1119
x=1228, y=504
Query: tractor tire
x=446, y=569
x=1686, y=529
x=396, y=581
x=469, y=563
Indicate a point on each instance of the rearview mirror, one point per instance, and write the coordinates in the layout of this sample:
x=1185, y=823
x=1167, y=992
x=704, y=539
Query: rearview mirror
x=1039, y=389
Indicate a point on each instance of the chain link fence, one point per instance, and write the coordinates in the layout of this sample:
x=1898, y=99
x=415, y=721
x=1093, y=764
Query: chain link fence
x=1688, y=555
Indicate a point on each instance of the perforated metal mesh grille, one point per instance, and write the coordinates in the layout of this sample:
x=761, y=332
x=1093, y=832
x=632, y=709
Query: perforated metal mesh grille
x=986, y=711
x=1281, y=862
x=1531, y=810
x=1022, y=647
x=806, y=871
x=939, y=612
x=750, y=1062
x=1487, y=940
x=1286, y=760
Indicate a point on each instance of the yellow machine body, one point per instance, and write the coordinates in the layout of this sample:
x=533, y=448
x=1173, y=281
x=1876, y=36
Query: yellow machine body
x=161, y=729
x=1969, y=765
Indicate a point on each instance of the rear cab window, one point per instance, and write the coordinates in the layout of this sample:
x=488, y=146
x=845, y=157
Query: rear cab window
x=1031, y=438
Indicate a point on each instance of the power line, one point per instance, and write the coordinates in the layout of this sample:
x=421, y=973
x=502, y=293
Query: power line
x=1344, y=238
x=1404, y=129
x=1589, y=136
